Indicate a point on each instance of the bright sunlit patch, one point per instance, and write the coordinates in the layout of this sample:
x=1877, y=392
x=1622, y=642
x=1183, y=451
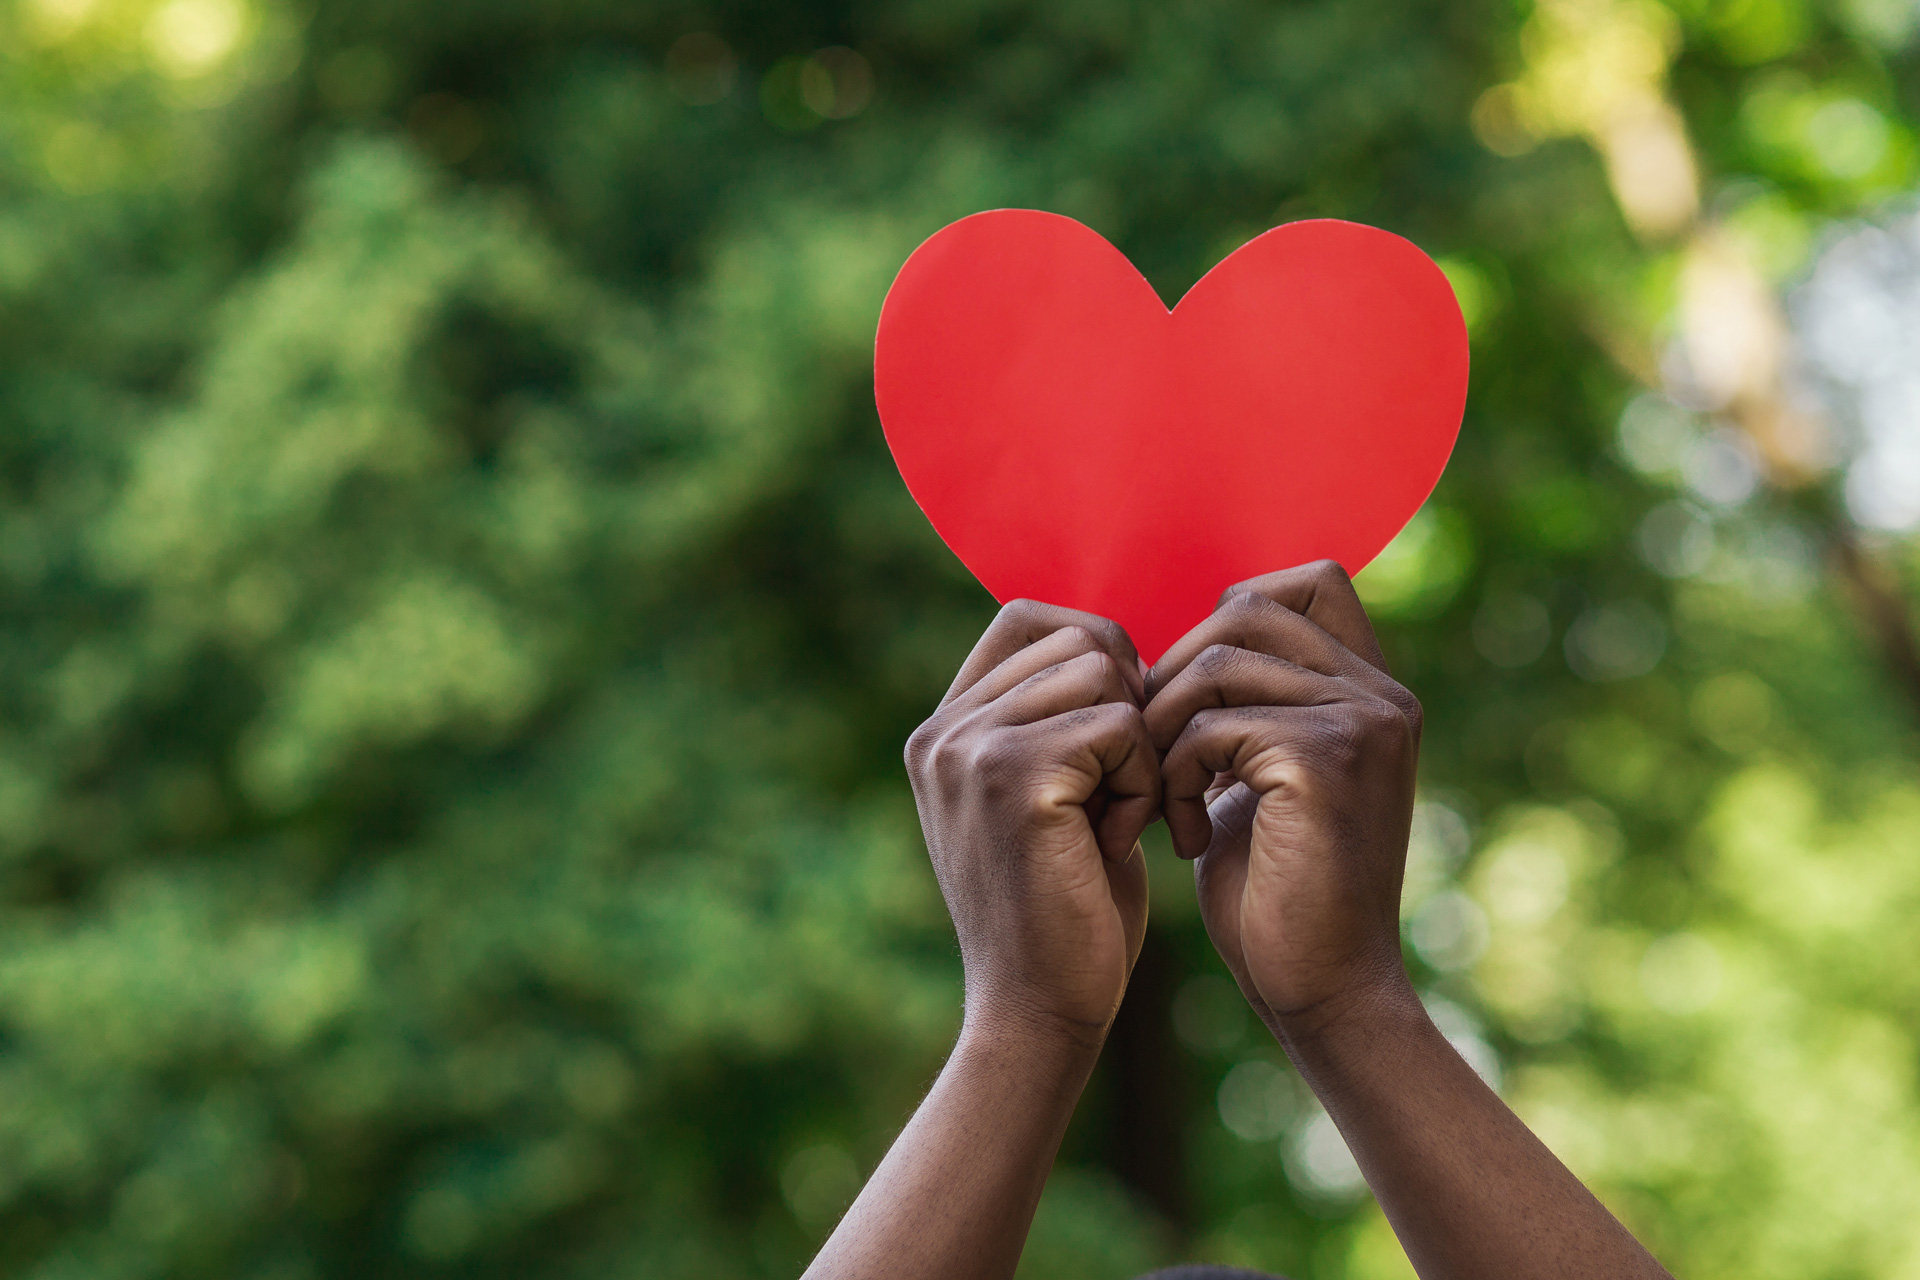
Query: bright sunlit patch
x=1597, y=68
x=192, y=37
x=1857, y=320
x=55, y=20
x=1651, y=167
x=1732, y=335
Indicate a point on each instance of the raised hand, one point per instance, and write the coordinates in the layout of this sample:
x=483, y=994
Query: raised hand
x=1278, y=710
x=1034, y=779
x=1289, y=774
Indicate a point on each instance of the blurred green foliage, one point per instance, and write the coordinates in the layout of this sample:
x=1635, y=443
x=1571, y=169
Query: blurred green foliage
x=458, y=622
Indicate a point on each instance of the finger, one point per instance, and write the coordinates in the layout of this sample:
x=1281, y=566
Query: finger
x=1085, y=681
x=1050, y=651
x=1323, y=592
x=1132, y=787
x=1247, y=620
x=1256, y=744
x=1023, y=622
x=1223, y=676
x=1106, y=748
x=1219, y=881
x=1231, y=814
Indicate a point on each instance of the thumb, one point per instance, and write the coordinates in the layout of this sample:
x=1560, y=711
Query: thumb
x=1220, y=875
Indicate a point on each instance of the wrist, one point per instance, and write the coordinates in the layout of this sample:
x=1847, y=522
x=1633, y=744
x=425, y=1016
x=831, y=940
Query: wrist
x=1372, y=1004
x=1007, y=1030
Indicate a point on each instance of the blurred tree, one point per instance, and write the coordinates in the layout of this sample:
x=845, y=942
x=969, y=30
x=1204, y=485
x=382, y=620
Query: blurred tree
x=458, y=622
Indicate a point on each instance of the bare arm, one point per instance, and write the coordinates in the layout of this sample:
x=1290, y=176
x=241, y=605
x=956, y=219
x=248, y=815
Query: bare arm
x=1288, y=773
x=956, y=1194
x=1470, y=1191
x=1034, y=780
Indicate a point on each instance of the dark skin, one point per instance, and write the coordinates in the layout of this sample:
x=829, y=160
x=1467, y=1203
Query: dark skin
x=1282, y=754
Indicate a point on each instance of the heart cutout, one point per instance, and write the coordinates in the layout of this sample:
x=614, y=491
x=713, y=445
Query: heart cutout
x=1074, y=441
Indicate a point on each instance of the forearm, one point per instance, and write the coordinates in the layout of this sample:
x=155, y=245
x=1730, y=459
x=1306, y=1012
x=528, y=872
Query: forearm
x=955, y=1196
x=1468, y=1188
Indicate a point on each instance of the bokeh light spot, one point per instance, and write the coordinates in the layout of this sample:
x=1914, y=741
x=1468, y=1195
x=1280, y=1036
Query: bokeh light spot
x=1320, y=1166
x=1257, y=1100
x=1848, y=138
x=1616, y=641
x=836, y=83
x=191, y=37
x=1449, y=932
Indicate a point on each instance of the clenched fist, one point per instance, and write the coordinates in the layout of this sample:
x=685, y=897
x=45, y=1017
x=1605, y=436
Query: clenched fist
x=1034, y=779
x=1289, y=757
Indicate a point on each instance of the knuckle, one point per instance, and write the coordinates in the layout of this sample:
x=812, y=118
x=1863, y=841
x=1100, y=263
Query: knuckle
x=941, y=755
x=1113, y=636
x=1235, y=592
x=1242, y=600
x=1380, y=718
x=1054, y=670
x=1018, y=613
x=1081, y=638
x=1216, y=660
x=920, y=744
x=1328, y=571
x=1410, y=708
x=1366, y=728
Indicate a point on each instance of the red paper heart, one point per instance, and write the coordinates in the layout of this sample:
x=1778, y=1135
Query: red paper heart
x=1076, y=442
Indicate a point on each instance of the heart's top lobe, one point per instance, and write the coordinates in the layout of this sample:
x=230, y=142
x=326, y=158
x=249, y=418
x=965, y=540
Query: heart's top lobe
x=1074, y=441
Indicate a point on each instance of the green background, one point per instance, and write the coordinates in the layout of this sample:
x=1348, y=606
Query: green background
x=459, y=623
